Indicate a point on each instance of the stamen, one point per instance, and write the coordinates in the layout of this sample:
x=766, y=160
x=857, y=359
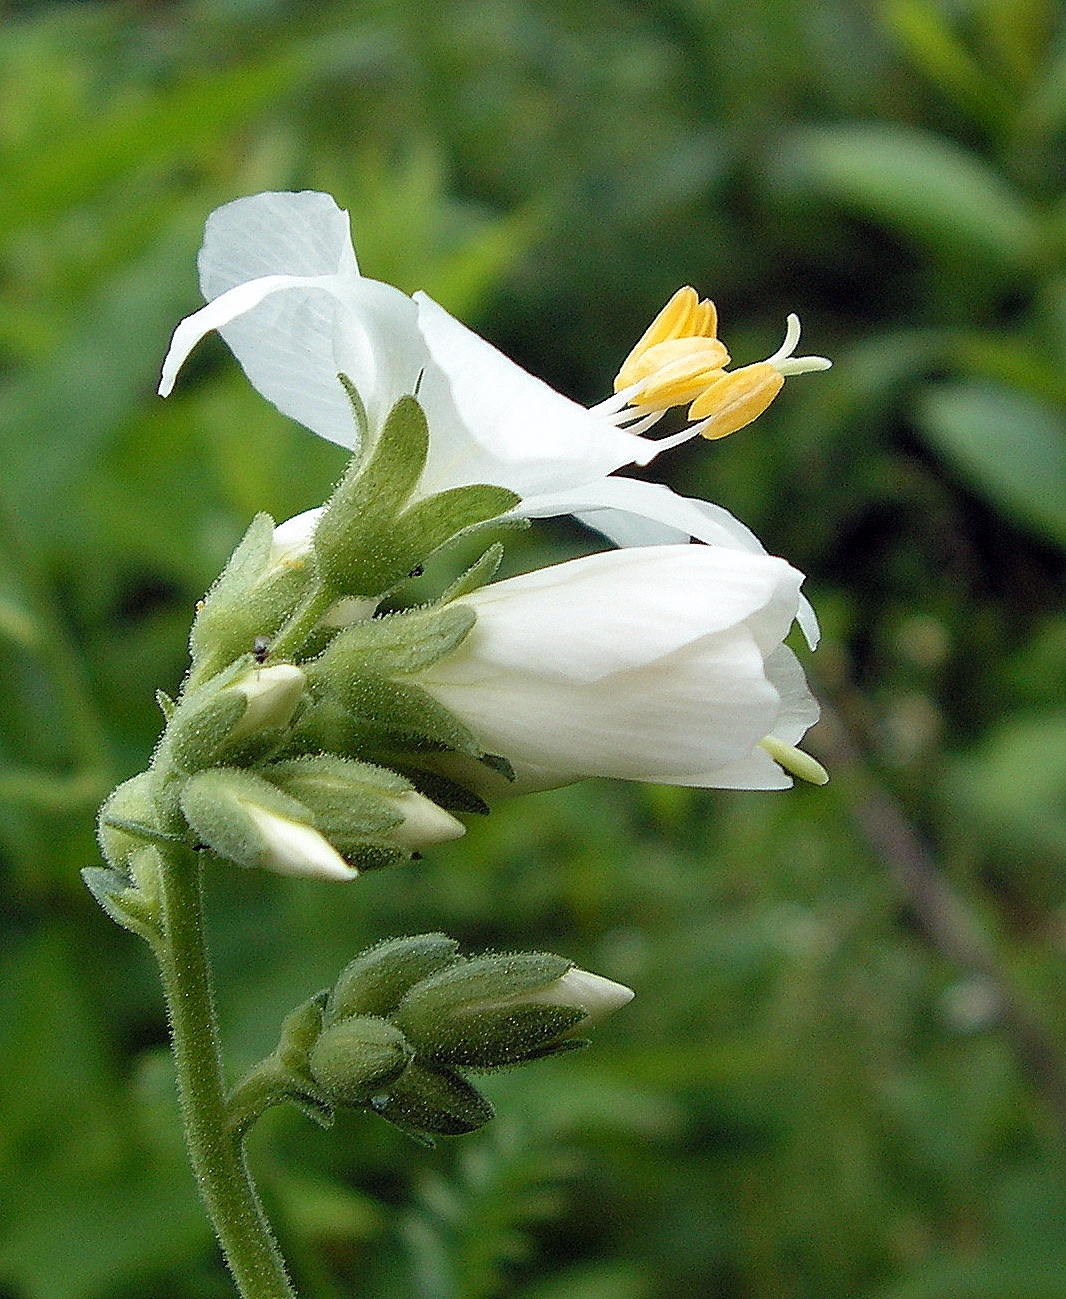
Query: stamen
x=795, y=761
x=737, y=398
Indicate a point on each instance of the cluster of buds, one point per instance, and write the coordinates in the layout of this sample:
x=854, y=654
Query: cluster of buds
x=408, y=1019
x=293, y=761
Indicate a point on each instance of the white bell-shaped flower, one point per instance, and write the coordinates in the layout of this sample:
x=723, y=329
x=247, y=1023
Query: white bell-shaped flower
x=661, y=663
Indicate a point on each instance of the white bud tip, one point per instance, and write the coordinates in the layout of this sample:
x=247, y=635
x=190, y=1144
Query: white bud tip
x=594, y=995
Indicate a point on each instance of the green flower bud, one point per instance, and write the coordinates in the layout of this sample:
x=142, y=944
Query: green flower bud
x=251, y=822
x=429, y=1101
x=260, y=585
x=234, y=715
x=375, y=982
x=357, y=1058
x=504, y=1010
x=369, y=814
x=132, y=802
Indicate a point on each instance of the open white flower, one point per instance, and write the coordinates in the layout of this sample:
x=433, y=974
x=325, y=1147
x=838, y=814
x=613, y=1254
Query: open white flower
x=284, y=290
x=660, y=663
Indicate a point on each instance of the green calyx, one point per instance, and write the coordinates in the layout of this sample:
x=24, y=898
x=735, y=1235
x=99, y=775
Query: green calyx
x=252, y=597
x=370, y=537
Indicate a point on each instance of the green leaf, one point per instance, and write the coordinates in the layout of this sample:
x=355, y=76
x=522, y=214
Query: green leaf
x=1010, y=445
x=923, y=185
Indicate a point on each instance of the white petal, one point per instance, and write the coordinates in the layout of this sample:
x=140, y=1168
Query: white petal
x=303, y=234
x=694, y=711
x=641, y=665
x=631, y=512
x=491, y=421
x=620, y=609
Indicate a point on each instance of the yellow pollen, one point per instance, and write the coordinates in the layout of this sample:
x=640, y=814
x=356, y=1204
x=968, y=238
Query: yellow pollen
x=683, y=317
x=675, y=371
x=736, y=398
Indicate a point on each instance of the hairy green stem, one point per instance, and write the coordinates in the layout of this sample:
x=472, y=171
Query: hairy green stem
x=217, y=1155
x=302, y=622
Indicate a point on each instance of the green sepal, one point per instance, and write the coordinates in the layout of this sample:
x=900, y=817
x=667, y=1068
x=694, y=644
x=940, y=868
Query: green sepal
x=367, y=542
x=445, y=792
x=375, y=982
x=166, y=704
x=403, y=643
x=428, y=1102
x=138, y=830
x=481, y=571
x=251, y=598
x=431, y=523
x=470, y=1013
x=353, y=540
x=384, y=713
x=123, y=901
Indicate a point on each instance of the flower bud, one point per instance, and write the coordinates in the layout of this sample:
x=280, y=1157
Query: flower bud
x=260, y=585
x=271, y=695
x=375, y=982
x=372, y=815
x=358, y=1057
x=503, y=1010
x=251, y=822
x=133, y=802
x=232, y=716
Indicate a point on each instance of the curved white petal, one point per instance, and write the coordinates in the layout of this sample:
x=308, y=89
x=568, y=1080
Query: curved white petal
x=293, y=335
x=491, y=421
x=618, y=610
x=274, y=233
x=660, y=664
x=632, y=512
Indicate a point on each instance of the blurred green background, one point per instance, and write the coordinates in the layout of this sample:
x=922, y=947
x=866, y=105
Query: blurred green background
x=843, y=1073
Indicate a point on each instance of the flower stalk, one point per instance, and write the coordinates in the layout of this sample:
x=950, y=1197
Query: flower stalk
x=217, y=1157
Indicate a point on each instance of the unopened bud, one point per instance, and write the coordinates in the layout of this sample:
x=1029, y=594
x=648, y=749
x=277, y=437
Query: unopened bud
x=271, y=695
x=357, y=1058
x=229, y=717
x=373, y=816
x=375, y=982
x=250, y=822
x=502, y=1010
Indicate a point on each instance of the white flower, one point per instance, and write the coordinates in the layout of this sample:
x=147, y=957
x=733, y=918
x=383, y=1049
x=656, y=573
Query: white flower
x=284, y=290
x=660, y=663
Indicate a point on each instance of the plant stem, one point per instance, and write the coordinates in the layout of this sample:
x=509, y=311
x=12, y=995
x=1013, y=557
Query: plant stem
x=217, y=1156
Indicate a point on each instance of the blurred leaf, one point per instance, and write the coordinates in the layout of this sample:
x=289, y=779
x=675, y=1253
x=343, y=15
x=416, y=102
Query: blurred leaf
x=1010, y=445
x=993, y=1278
x=935, y=46
x=924, y=185
x=74, y=164
x=53, y=421
x=1016, y=783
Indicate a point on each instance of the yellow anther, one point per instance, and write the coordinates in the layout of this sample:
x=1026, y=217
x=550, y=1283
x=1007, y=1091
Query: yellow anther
x=683, y=317
x=795, y=761
x=675, y=371
x=736, y=398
